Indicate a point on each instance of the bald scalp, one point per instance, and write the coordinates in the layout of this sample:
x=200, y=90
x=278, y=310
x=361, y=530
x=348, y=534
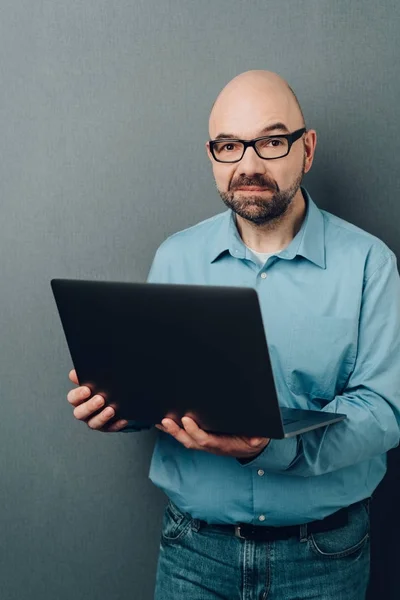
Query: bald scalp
x=250, y=89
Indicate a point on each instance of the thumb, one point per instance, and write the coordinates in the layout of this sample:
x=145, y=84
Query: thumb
x=73, y=376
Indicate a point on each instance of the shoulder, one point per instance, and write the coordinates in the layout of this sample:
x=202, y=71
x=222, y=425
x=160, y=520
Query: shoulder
x=352, y=241
x=197, y=235
x=184, y=252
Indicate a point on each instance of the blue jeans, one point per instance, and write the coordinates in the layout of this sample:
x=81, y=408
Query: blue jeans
x=198, y=563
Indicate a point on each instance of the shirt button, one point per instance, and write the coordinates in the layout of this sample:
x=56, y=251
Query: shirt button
x=261, y=518
x=263, y=275
x=260, y=472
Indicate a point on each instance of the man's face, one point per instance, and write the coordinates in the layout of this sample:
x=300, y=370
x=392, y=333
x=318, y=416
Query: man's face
x=256, y=189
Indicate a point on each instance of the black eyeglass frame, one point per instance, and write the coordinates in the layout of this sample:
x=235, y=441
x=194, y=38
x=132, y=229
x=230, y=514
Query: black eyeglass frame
x=290, y=137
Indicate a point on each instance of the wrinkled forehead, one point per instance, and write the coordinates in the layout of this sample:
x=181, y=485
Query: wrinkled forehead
x=248, y=113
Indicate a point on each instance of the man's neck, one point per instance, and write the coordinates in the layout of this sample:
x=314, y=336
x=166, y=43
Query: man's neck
x=277, y=234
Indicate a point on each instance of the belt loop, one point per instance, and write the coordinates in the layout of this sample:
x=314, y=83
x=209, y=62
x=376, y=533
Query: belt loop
x=303, y=533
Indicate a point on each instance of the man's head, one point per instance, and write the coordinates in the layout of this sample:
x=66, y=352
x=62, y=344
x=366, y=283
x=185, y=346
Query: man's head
x=257, y=104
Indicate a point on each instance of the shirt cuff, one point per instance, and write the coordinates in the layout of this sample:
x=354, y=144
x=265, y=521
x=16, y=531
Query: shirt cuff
x=277, y=456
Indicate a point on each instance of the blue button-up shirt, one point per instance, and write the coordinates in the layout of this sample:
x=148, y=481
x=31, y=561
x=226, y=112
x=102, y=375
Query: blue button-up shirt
x=330, y=303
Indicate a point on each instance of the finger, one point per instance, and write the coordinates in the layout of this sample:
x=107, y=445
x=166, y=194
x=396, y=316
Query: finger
x=86, y=409
x=99, y=421
x=221, y=443
x=78, y=395
x=117, y=426
x=73, y=376
x=257, y=441
x=201, y=437
x=254, y=442
x=178, y=433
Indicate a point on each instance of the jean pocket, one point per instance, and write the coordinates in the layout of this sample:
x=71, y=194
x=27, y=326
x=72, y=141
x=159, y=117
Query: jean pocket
x=321, y=355
x=175, y=524
x=344, y=541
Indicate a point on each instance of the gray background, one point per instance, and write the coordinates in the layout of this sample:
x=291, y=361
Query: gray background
x=103, y=119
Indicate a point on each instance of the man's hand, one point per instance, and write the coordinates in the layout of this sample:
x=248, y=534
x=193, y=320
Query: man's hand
x=87, y=408
x=194, y=438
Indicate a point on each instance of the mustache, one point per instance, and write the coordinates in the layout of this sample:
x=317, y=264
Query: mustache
x=256, y=181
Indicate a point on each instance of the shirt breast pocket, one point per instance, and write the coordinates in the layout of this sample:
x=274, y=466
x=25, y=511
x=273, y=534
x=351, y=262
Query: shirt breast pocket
x=321, y=355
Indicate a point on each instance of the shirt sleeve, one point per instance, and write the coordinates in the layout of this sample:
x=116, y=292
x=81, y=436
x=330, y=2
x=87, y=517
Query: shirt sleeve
x=371, y=399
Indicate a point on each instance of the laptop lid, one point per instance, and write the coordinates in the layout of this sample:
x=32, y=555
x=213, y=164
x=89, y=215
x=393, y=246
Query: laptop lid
x=155, y=350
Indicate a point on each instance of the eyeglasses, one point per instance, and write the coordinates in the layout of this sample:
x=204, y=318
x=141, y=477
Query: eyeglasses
x=267, y=147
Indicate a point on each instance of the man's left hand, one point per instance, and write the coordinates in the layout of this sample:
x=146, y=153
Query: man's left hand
x=194, y=438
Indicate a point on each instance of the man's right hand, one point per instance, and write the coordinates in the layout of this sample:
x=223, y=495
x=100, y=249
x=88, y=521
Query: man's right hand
x=87, y=407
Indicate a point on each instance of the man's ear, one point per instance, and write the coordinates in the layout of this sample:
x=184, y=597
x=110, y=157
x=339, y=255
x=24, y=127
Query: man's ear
x=310, y=141
x=208, y=151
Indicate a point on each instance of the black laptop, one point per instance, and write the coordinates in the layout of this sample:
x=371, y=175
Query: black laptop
x=157, y=350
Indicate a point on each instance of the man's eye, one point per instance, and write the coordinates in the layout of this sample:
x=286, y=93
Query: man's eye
x=275, y=142
x=272, y=143
x=229, y=147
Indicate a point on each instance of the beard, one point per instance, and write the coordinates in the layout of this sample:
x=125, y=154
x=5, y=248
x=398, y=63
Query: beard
x=260, y=210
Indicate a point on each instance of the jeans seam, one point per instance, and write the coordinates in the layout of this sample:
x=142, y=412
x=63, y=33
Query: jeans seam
x=268, y=571
x=246, y=557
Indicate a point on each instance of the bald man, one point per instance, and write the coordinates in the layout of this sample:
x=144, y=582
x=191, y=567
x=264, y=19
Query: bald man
x=253, y=518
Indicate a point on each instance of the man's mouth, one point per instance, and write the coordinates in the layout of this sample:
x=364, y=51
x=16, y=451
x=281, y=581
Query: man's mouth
x=253, y=188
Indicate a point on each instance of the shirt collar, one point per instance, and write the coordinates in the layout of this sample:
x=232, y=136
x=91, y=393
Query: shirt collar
x=309, y=241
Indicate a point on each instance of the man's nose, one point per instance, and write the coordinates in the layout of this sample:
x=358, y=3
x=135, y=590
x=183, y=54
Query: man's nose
x=251, y=163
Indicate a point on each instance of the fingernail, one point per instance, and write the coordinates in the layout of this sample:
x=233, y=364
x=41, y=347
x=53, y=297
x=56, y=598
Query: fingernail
x=109, y=412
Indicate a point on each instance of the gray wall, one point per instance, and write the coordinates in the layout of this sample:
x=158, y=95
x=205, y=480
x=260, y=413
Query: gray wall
x=103, y=119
